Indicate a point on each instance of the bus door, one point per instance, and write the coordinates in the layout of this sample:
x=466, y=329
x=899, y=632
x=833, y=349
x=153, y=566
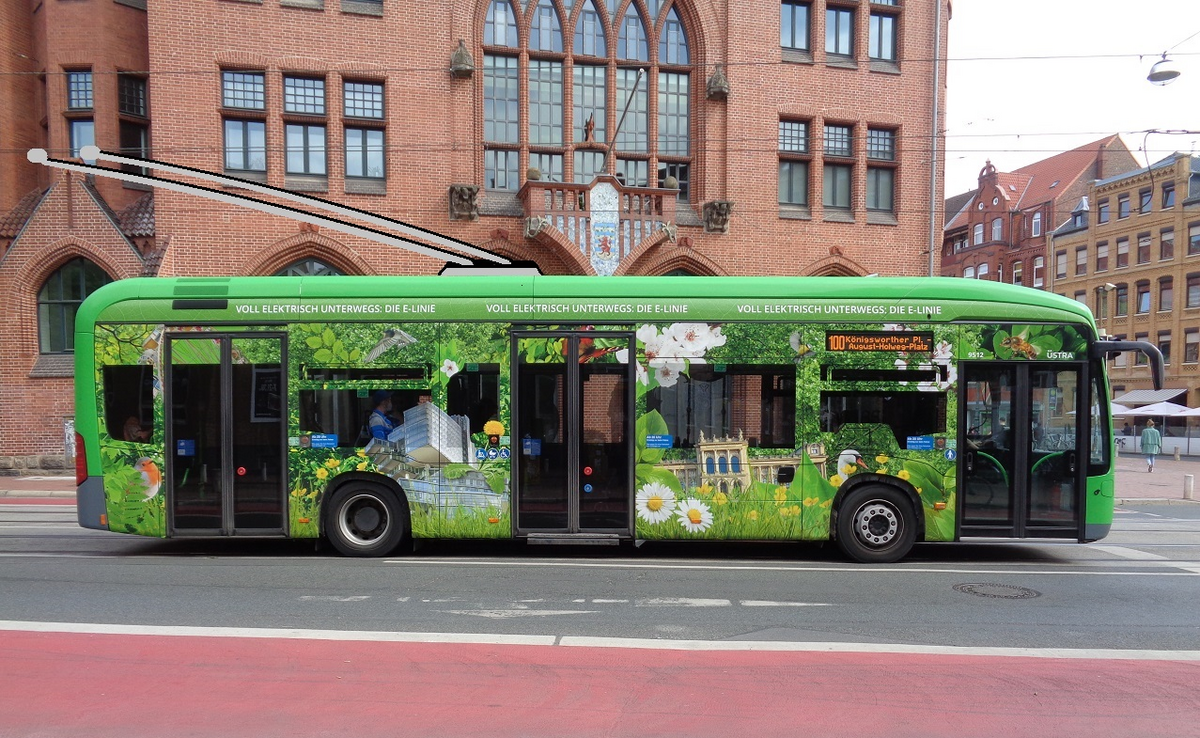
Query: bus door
x=1023, y=457
x=226, y=425
x=573, y=434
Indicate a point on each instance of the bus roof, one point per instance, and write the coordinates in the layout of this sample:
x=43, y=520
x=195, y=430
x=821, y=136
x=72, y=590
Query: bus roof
x=974, y=300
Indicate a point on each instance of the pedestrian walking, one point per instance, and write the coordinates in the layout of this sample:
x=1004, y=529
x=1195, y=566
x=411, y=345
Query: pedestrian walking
x=1151, y=444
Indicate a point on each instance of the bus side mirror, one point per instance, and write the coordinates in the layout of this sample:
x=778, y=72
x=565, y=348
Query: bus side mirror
x=1101, y=350
x=786, y=475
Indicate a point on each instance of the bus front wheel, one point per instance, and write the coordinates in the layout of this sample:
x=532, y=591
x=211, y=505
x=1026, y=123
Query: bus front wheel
x=365, y=520
x=876, y=525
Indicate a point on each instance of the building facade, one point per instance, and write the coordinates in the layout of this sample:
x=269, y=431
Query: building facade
x=1001, y=231
x=1131, y=251
x=605, y=137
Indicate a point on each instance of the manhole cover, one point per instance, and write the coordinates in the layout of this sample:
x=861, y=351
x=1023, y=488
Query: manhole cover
x=998, y=591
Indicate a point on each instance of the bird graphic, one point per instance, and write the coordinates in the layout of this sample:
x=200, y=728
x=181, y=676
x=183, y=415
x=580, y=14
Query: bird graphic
x=392, y=337
x=802, y=349
x=151, y=476
x=848, y=460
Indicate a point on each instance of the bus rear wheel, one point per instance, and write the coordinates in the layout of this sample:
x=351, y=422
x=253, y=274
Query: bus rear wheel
x=876, y=525
x=365, y=520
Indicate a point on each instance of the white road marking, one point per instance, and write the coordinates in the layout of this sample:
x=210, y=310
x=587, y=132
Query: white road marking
x=768, y=603
x=1129, y=553
x=334, y=598
x=501, y=614
x=590, y=642
x=680, y=602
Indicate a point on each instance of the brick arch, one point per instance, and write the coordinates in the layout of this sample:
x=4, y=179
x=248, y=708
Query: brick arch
x=247, y=59
x=557, y=248
x=21, y=284
x=835, y=265
x=285, y=251
x=35, y=271
x=556, y=256
x=296, y=63
x=661, y=260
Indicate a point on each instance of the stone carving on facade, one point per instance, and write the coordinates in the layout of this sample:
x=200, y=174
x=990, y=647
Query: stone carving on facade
x=535, y=225
x=671, y=230
x=464, y=202
x=462, y=65
x=716, y=216
x=718, y=85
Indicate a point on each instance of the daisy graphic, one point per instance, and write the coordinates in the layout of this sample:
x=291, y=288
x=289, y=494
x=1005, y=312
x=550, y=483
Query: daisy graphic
x=694, y=515
x=655, y=502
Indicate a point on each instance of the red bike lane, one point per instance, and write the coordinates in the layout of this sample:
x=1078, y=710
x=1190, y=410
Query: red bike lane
x=100, y=685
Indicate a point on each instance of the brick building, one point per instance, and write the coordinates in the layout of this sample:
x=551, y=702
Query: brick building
x=1001, y=230
x=775, y=137
x=1131, y=251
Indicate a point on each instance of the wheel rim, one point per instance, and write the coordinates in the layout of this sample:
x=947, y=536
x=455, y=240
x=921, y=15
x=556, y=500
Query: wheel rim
x=877, y=524
x=364, y=520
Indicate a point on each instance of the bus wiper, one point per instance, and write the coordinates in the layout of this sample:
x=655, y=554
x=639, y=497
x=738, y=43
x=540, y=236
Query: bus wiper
x=413, y=238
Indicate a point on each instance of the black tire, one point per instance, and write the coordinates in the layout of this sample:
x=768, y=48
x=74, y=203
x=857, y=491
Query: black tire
x=365, y=520
x=876, y=525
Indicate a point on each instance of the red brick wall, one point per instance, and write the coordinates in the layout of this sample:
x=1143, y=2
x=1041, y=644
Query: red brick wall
x=67, y=225
x=18, y=97
x=434, y=131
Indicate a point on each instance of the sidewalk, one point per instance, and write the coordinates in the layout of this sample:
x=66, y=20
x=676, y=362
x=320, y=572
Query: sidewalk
x=1133, y=481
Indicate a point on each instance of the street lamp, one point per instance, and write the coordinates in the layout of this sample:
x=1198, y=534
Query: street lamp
x=1164, y=71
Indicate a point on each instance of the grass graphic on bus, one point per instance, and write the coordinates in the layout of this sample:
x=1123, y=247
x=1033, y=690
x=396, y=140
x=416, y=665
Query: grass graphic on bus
x=677, y=492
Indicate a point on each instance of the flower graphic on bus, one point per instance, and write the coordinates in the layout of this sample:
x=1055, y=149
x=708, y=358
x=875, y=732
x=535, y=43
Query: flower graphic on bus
x=655, y=502
x=694, y=515
x=670, y=353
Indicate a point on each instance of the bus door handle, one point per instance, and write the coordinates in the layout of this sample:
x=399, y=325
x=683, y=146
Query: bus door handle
x=1071, y=461
x=969, y=461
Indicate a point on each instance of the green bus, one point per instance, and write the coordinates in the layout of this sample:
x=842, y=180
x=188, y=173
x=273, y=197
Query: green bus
x=375, y=411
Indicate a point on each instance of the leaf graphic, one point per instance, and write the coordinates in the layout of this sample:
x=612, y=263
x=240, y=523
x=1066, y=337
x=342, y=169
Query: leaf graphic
x=650, y=424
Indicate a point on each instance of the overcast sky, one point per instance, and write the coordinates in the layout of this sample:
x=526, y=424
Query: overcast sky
x=1004, y=105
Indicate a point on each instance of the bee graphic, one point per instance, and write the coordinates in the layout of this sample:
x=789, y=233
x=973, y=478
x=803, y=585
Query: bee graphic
x=1020, y=347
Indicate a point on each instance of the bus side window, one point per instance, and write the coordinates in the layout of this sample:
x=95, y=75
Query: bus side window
x=129, y=402
x=475, y=394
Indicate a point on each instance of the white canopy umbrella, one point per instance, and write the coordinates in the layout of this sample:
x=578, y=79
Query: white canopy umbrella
x=1191, y=412
x=1158, y=409
x=1118, y=408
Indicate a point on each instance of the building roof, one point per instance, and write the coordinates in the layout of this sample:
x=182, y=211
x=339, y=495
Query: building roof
x=1160, y=164
x=1039, y=182
x=1060, y=171
x=14, y=220
x=956, y=204
x=137, y=220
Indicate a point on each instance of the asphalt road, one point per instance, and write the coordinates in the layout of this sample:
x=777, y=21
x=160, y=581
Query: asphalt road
x=103, y=634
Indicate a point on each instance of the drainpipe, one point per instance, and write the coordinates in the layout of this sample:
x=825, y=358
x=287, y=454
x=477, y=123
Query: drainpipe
x=934, y=241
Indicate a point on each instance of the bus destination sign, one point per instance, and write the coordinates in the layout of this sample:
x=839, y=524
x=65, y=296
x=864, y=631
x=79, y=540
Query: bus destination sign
x=907, y=341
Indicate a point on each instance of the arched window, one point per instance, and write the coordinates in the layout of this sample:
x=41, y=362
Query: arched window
x=723, y=465
x=58, y=302
x=566, y=58
x=307, y=268
x=735, y=463
x=997, y=229
x=632, y=43
x=546, y=32
x=709, y=466
x=501, y=27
